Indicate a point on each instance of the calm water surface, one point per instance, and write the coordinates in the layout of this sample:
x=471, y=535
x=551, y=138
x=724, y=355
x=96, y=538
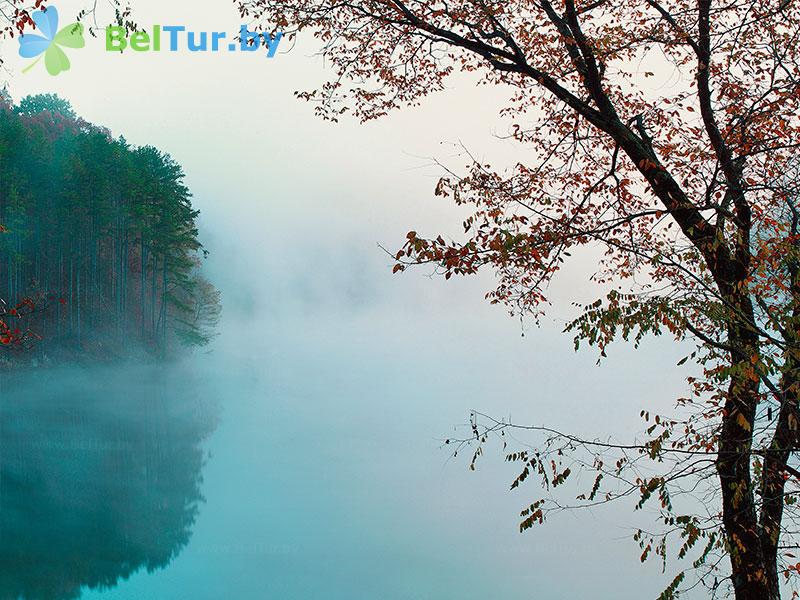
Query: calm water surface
x=299, y=459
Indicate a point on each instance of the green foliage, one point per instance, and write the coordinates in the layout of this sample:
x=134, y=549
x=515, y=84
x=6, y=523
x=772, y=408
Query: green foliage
x=106, y=226
x=672, y=590
x=630, y=317
x=33, y=105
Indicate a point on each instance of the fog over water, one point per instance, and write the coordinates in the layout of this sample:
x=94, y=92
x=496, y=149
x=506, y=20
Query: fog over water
x=322, y=471
x=301, y=455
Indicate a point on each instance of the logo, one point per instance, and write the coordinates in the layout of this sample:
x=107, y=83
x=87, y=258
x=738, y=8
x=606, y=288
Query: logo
x=51, y=42
x=177, y=37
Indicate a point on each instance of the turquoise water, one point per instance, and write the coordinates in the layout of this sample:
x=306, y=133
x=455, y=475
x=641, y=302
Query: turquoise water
x=301, y=457
x=308, y=470
x=144, y=482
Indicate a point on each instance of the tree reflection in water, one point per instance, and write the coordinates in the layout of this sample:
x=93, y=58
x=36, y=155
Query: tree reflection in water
x=100, y=476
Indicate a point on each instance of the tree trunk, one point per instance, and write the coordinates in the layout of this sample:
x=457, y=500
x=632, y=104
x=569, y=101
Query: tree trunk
x=784, y=442
x=752, y=577
x=750, y=573
x=772, y=488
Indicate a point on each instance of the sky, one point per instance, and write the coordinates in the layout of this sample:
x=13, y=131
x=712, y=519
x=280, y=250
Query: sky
x=343, y=372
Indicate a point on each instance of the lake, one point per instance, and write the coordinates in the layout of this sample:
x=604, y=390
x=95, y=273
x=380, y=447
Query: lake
x=300, y=457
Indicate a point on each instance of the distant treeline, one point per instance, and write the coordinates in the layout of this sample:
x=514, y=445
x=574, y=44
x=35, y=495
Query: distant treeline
x=100, y=233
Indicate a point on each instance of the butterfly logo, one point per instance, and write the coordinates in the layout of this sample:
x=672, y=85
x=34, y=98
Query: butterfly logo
x=51, y=42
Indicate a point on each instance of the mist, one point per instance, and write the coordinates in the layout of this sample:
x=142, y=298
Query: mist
x=301, y=454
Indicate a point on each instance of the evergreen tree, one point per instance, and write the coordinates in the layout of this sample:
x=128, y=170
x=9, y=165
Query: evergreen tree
x=106, y=228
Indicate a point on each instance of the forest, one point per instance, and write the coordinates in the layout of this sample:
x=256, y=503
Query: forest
x=99, y=250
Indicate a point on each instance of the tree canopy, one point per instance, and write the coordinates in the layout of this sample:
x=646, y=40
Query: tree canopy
x=102, y=231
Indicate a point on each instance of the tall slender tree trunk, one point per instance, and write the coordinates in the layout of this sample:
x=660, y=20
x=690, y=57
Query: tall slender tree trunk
x=124, y=286
x=752, y=576
x=153, y=293
x=142, y=282
x=162, y=316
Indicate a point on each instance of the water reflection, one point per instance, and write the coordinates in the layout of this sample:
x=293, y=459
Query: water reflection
x=100, y=476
